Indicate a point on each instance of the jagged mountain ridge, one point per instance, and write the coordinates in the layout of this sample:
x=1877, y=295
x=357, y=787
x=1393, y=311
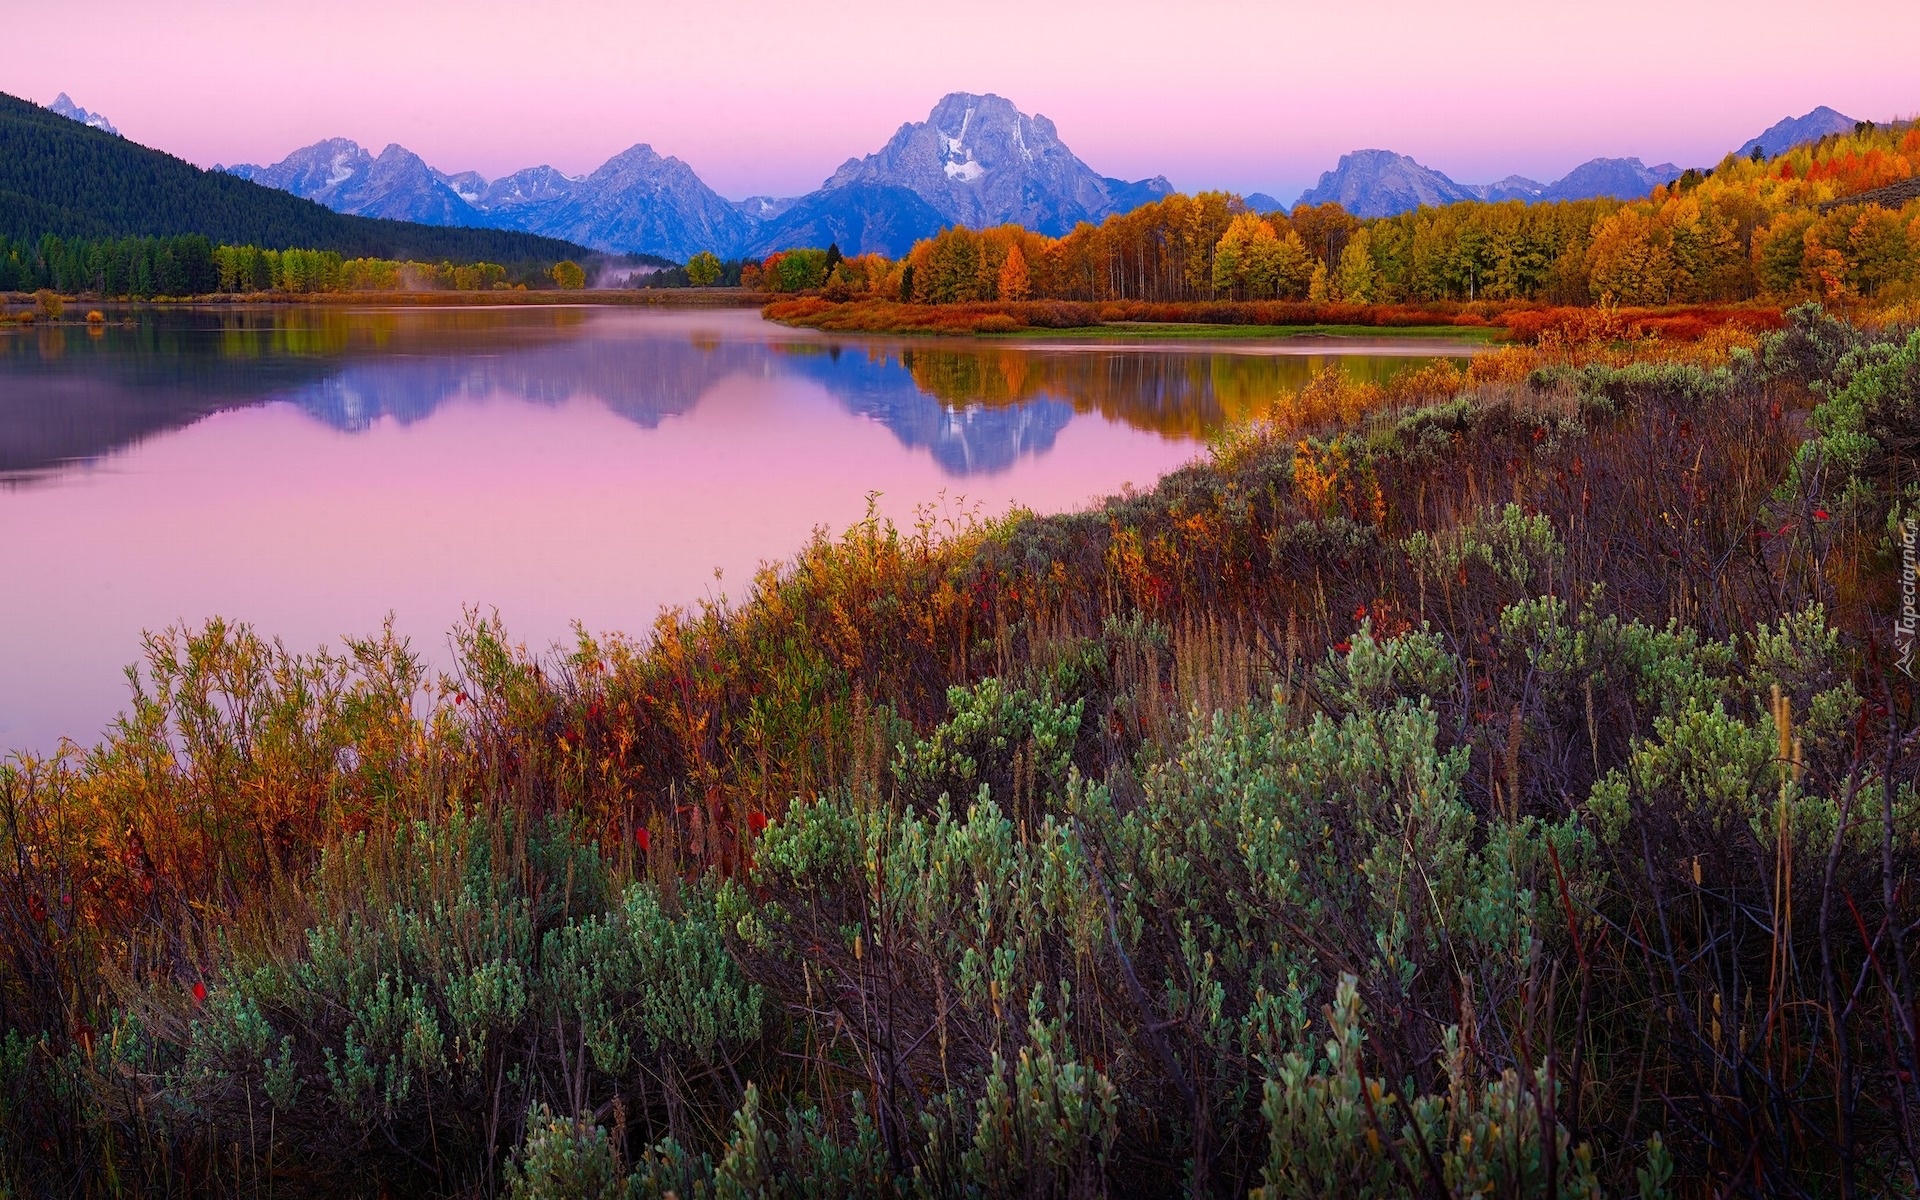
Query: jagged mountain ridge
x=638, y=202
x=1380, y=183
x=397, y=184
x=1795, y=131
x=63, y=104
x=979, y=161
x=976, y=160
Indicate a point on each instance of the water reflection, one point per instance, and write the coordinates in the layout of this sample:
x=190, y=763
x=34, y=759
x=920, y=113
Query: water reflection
x=315, y=471
x=69, y=397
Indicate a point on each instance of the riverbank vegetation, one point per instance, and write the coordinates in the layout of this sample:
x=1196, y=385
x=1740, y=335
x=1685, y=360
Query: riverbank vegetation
x=1524, y=322
x=1495, y=782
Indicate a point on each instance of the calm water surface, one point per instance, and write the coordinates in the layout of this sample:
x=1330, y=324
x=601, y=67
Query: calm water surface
x=312, y=471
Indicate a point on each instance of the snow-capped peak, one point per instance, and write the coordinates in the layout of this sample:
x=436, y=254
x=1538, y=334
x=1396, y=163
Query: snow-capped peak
x=64, y=106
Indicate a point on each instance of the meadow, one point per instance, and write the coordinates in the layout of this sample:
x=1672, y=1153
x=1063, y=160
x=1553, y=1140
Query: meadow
x=1499, y=781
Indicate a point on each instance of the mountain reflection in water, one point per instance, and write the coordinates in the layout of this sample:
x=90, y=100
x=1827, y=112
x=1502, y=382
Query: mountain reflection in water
x=70, y=396
x=319, y=471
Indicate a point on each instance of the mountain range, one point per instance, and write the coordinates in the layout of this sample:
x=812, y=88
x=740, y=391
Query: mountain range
x=71, y=178
x=976, y=160
x=1380, y=183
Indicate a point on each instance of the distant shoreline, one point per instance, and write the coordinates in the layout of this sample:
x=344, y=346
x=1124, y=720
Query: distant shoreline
x=611, y=297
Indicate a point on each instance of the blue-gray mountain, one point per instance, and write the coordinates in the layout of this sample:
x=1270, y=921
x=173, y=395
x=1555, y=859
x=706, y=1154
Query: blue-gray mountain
x=1795, y=131
x=1380, y=183
x=63, y=104
x=979, y=161
x=975, y=160
x=396, y=185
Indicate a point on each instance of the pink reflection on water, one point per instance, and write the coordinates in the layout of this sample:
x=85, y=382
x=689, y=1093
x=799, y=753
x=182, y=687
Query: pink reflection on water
x=551, y=514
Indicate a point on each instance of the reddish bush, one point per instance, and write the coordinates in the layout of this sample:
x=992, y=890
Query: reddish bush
x=1680, y=324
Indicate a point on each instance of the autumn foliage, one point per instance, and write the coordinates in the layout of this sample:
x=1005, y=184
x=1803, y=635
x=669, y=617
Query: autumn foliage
x=1746, y=232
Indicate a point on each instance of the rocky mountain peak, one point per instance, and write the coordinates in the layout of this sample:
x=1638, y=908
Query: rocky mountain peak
x=64, y=106
x=1794, y=131
x=978, y=160
x=1381, y=183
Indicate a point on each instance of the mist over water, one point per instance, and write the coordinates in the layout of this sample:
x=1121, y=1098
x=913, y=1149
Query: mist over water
x=312, y=471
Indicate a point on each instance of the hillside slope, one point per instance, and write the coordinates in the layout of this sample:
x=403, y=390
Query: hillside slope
x=60, y=177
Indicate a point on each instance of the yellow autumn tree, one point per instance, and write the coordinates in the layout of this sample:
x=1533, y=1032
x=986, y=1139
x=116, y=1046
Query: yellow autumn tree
x=1628, y=260
x=1359, y=280
x=1318, y=290
x=568, y=275
x=1240, y=255
x=1254, y=261
x=1014, y=282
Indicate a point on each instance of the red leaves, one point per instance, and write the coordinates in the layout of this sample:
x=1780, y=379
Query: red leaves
x=1820, y=514
x=643, y=839
x=757, y=823
x=199, y=992
x=1342, y=647
x=36, y=908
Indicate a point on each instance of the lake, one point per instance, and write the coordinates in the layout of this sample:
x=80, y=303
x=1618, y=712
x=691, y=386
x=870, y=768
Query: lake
x=312, y=470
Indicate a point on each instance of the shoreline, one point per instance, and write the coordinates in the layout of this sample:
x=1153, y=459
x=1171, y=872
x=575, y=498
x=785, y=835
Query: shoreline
x=597, y=297
x=1129, y=331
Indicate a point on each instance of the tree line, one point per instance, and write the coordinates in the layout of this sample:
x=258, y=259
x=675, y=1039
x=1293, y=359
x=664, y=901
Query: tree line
x=192, y=265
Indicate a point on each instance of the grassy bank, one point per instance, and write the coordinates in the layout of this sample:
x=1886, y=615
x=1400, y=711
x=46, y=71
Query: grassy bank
x=1493, y=783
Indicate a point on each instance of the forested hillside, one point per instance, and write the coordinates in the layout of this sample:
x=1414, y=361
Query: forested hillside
x=60, y=177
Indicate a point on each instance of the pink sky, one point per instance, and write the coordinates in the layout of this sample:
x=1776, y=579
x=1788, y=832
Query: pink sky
x=769, y=97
